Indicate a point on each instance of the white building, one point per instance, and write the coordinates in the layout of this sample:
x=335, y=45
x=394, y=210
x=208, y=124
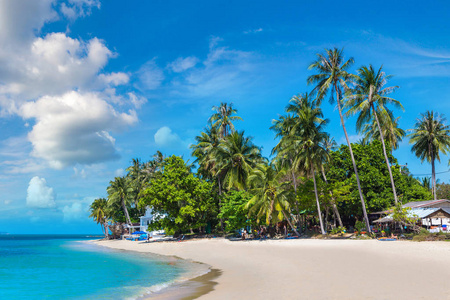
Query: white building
x=146, y=219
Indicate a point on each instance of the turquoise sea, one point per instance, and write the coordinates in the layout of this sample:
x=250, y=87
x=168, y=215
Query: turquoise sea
x=62, y=267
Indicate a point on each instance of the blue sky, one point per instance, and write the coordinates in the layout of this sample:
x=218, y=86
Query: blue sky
x=87, y=85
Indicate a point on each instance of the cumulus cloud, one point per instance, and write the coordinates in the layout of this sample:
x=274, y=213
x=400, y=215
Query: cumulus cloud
x=150, y=76
x=165, y=137
x=39, y=195
x=117, y=78
x=74, y=128
x=183, y=64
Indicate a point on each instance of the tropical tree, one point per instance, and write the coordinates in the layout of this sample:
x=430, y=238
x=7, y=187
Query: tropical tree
x=204, y=150
x=120, y=192
x=368, y=99
x=309, y=139
x=332, y=77
x=270, y=195
x=236, y=156
x=223, y=118
x=430, y=137
x=392, y=133
x=99, y=213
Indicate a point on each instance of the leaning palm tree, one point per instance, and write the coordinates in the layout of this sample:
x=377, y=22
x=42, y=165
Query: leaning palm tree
x=223, y=118
x=430, y=137
x=98, y=209
x=271, y=195
x=368, y=99
x=392, y=133
x=235, y=157
x=119, y=192
x=332, y=77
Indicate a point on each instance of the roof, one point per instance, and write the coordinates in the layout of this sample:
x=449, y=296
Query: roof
x=417, y=213
x=418, y=204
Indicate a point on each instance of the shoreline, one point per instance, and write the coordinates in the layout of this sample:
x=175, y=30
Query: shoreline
x=187, y=286
x=313, y=269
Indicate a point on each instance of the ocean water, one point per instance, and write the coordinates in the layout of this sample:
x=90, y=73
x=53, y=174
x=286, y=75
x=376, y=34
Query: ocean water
x=62, y=267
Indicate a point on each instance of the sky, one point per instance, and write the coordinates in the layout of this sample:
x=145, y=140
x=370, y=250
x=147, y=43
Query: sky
x=87, y=85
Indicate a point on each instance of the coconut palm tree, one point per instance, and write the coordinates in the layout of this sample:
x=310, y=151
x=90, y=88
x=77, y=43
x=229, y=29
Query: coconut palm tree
x=223, y=118
x=332, y=77
x=119, y=191
x=236, y=156
x=309, y=140
x=98, y=209
x=392, y=133
x=368, y=99
x=430, y=137
x=271, y=195
x=204, y=149
x=137, y=179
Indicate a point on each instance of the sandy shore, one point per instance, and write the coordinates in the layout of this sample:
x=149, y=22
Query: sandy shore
x=315, y=269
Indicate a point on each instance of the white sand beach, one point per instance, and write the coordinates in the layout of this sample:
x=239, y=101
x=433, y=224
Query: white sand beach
x=315, y=269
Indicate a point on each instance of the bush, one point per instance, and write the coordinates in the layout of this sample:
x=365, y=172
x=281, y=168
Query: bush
x=360, y=226
x=337, y=230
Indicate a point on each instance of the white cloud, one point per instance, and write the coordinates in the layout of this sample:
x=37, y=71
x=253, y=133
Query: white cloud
x=77, y=210
x=7, y=202
x=39, y=194
x=150, y=76
x=222, y=71
x=183, y=64
x=74, y=128
x=79, y=173
x=52, y=65
x=114, y=78
x=253, y=31
x=136, y=100
x=119, y=172
x=78, y=8
x=164, y=137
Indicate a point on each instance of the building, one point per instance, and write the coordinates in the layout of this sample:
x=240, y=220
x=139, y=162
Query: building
x=432, y=214
x=146, y=219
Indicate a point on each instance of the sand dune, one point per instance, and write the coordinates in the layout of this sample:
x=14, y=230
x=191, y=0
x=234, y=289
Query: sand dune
x=315, y=269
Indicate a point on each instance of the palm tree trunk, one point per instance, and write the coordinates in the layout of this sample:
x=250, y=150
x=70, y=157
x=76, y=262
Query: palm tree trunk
x=433, y=174
x=220, y=201
x=290, y=224
x=333, y=202
x=294, y=180
x=363, y=204
x=317, y=200
x=126, y=213
x=385, y=155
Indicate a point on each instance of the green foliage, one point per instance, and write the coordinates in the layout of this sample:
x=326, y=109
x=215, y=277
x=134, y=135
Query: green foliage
x=233, y=210
x=374, y=178
x=360, y=226
x=339, y=229
x=180, y=200
x=443, y=191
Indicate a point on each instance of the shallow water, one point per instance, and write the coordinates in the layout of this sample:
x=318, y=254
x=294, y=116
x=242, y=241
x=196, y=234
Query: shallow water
x=61, y=267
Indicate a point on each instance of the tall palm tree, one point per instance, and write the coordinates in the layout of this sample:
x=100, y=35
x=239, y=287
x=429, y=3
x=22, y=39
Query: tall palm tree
x=236, y=156
x=332, y=77
x=98, y=209
x=119, y=191
x=137, y=179
x=369, y=98
x=204, y=149
x=223, y=118
x=271, y=195
x=309, y=137
x=430, y=137
x=392, y=133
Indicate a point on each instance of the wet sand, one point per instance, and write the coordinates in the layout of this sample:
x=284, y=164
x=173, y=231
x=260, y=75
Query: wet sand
x=311, y=269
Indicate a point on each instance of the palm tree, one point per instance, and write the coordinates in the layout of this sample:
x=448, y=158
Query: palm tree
x=309, y=137
x=236, y=156
x=98, y=209
x=137, y=179
x=119, y=191
x=392, y=133
x=332, y=77
x=430, y=137
x=204, y=149
x=271, y=195
x=369, y=98
x=223, y=118
x=426, y=183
